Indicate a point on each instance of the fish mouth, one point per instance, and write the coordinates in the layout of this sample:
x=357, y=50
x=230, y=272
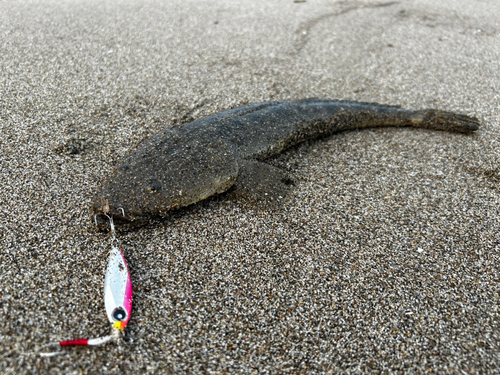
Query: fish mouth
x=102, y=218
x=118, y=216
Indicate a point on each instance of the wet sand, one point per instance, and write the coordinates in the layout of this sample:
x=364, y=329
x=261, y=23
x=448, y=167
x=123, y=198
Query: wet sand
x=384, y=258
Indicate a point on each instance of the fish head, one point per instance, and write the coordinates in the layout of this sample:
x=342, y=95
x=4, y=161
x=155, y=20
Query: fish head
x=162, y=176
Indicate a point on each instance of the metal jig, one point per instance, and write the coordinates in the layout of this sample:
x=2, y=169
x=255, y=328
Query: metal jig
x=117, y=299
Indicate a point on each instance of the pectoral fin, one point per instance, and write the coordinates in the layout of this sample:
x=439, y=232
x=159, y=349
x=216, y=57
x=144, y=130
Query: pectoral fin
x=261, y=183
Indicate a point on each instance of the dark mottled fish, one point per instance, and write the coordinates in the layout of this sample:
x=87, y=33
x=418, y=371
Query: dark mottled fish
x=186, y=164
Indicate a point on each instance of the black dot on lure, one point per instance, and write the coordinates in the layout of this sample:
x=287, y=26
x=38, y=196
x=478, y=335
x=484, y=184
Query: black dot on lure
x=119, y=314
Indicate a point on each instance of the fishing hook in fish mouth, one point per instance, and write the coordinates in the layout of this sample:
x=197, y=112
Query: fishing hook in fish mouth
x=105, y=212
x=114, y=240
x=117, y=299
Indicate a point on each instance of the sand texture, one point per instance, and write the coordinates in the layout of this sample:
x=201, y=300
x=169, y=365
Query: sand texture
x=385, y=257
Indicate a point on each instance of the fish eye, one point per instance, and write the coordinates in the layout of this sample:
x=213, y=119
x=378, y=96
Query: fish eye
x=119, y=314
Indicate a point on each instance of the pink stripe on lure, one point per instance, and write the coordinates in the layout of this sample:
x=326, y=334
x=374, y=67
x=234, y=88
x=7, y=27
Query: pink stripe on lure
x=117, y=301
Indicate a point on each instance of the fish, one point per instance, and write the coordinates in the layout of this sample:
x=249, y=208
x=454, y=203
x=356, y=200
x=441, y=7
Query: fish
x=185, y=164
x=117, y=302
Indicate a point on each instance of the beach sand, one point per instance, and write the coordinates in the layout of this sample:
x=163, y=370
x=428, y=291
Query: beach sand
x=385, y=257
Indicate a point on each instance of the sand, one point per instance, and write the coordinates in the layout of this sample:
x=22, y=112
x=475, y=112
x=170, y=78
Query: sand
x=384, y=259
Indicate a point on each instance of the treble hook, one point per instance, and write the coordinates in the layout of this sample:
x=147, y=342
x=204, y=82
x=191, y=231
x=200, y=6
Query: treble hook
x=114, y=240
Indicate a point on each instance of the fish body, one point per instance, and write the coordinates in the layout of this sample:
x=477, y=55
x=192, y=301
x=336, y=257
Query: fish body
x=185, y=164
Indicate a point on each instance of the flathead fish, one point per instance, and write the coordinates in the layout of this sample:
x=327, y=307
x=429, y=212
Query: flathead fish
x=185, y=164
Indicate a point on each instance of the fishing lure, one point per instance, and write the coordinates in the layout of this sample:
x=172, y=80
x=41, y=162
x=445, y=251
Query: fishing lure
x=117, y=301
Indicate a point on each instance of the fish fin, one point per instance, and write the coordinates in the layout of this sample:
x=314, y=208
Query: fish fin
x=261, y=183
x=442, y=120
x=340, y=101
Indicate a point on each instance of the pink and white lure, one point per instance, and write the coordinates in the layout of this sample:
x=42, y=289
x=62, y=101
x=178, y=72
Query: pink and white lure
x=117, y=290
x=117, y=301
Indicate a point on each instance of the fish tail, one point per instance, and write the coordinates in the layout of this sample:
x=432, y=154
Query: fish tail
x=442, y=120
